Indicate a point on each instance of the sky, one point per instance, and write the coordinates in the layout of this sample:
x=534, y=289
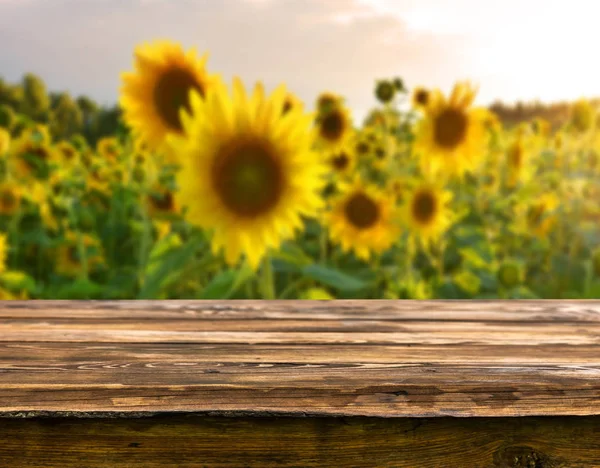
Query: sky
x=512, y=49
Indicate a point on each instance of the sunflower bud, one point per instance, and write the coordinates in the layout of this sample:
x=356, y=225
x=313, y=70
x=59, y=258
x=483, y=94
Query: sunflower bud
x=399, y=84
x=510, y=274
x=385, y=91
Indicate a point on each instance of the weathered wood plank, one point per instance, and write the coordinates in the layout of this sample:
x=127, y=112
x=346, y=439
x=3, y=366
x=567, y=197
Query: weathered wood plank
x=356, y=358
x=196, y=442
x=142, y=354
x=437, y=310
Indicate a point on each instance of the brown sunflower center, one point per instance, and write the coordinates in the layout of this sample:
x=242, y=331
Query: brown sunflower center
x=8, y=199
x=40, y=153
x=379, y=153
x=73, y=254
x=248, y=178
x=171, y=93
x=424, y=207
x=535, y=214
x=164, y=201
x=362, y=148
x=332, y=125
x=422, y=97
x=450, y=128
x=69, y=153
x=516, y=156
x=340, y=161
x=361, y=211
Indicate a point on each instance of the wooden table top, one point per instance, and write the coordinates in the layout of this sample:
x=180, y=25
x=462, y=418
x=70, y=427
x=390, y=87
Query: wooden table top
x=305, y=358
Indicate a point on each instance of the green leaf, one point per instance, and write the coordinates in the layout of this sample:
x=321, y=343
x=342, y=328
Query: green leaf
x=167, y=268
x=227, y=283
x=81, y=289
x=521, y=292
x=332, y=277
x=293, y=255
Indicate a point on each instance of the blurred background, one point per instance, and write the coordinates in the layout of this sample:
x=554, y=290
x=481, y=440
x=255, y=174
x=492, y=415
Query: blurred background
x=415, y=183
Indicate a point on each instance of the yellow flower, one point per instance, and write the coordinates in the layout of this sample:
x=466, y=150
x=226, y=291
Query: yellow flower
x=10, y=197
x=420, y=98
x=108, y=148
x=583, y=115
x=539, y=214
x=154, y=96
x=98, y=179
x=333, y=128
x=451, y=137
x=29, y=158
x=3, y=252
x=327, y=101
x=518, y=165
x=291, y=102
x=161, y=202
x=38, y=194
x=342, y=161
x=68, y=154
x=4, y=141
x=69, y=259
x=426, y=213
x=362, y=220
x=381, y=152
x=248, y=173
x=38, y=134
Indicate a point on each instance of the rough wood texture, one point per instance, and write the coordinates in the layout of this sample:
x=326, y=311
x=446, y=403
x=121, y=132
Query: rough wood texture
x=339, y=358
x=194, y=442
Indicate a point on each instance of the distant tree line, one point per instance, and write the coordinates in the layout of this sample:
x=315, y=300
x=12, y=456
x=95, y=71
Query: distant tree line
x=557, y=114
x=30, y=101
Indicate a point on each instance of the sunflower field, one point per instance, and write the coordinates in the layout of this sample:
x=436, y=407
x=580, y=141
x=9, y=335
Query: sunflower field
x=213, y=191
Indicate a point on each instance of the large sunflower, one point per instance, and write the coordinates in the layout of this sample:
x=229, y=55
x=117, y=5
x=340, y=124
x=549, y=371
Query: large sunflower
x=362, y=220
x=426, y=213
x=248, y=173
x=451, y=135
x=153, y=96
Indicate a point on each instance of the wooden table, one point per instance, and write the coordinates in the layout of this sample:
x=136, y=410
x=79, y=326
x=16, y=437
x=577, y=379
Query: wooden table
x=300, y=384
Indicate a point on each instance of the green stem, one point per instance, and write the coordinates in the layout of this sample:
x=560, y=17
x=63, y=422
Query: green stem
x=267, y=283
x=291, y=287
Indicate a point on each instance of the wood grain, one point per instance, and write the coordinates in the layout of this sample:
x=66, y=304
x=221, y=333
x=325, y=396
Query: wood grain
x=218, y=442
x=387, y=359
